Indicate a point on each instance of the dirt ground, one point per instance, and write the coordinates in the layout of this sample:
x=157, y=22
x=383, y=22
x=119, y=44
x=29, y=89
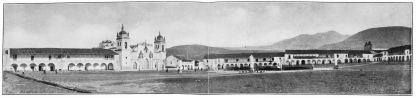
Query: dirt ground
x=362, y=78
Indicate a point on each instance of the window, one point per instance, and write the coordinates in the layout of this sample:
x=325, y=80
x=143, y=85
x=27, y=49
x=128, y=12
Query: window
x=32, y=57
x=248, y=60
x=163, y=48
x=50, y=57
x=68, y=56
x=264, y=59
x=326, y=56
x=236, y=60
x=257, y=60
x=226, y=60
x=14, y=56
x=272, y=59
x=337, y=56
x=125, y=45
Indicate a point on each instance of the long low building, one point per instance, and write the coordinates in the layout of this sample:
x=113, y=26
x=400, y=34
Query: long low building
x=289, y=57
x=51, y=59
x=303, y=57
x=240, y=60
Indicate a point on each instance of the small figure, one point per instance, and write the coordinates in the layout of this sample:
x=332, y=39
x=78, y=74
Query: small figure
x=44, y=71
x=167, y=70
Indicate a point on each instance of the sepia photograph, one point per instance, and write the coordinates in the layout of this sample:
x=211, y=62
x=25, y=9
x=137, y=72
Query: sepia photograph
x=207, y=48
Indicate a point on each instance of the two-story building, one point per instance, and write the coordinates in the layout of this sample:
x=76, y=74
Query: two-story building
x=51, y=59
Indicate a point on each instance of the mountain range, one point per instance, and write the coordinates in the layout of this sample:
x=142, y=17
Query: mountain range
x=382, y=37
x=300, y=42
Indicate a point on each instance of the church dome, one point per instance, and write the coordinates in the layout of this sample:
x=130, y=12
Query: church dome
x=122, y=31
x=160, y=38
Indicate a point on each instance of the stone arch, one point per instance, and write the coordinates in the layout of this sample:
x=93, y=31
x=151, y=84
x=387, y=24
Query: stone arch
x=32, y=66
x=52, y=67
x=308, y=62
x=41, y=66
x=110, y=66
x=346, y=61
x=303, y=62
x=218, y=66
x=156, y=65
x=329, y=62
x=255, y=65
x=323, y=61
x=88, y=66
x=402, y=58
x=364, y=60
x=297, y=62
x=14, y=66
x=314, y=62
x=359, y=60
x=23, y=65
x=368, y=60
x=246, y=65
x=71, y=66
x=355, y=60
x=80, y=66
x=147, y=64
x=351, y=61
x=103, y=66
x=241, y=65
x=135, y=65
x=96, y=66
x=338, y=61
x=275, y=64
x=408, y=58
x=293, y=62
x=260, y=64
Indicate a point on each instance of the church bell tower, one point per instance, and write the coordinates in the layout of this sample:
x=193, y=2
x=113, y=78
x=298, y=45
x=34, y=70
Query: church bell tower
x=123, y=49
x=160, y=51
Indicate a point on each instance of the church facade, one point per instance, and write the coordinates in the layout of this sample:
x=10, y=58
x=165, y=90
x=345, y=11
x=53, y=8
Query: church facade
x=119, y=55
x=137, y=56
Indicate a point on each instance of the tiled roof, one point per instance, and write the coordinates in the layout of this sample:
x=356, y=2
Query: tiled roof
x=378, y=55
x=327, y=51
x=181, y=58
x=399, y=50
x=245, y=55
x=70, y=51
x=306, y=57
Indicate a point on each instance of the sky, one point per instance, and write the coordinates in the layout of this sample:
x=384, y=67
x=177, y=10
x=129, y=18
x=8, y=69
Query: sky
x=220, y=24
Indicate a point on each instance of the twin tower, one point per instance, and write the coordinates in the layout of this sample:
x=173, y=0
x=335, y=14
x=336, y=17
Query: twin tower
x=137, y=56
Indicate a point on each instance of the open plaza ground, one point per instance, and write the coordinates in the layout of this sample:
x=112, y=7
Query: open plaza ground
x=358, y=78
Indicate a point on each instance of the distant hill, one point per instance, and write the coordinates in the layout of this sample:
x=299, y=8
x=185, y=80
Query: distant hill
x=301, y=42
x=197, y=52
x=382, y=37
